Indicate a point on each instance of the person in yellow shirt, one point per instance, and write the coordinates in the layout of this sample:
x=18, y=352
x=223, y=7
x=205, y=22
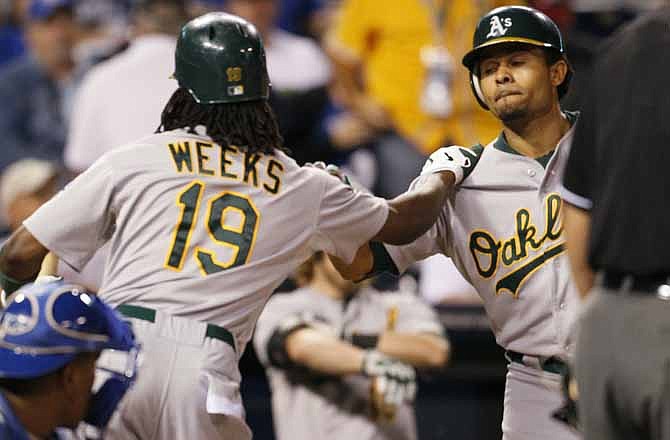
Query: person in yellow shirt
x=396, y=67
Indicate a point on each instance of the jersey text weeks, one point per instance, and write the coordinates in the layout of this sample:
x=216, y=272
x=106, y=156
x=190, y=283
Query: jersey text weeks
x=228, y=162
x=488, y=252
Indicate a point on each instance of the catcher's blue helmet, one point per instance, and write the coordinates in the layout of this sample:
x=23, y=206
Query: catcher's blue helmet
x=45, y=325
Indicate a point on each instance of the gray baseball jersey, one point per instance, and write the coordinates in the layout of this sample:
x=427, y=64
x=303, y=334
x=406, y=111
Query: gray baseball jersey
x=503, y=230
x=307, y=406
x=202, y=231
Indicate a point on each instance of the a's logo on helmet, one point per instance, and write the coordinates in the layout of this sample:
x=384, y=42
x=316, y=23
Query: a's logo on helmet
x=234, y=74
x=499, y=26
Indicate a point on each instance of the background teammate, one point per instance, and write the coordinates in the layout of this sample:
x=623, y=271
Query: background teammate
x=503, y=225
x=204, y=220
x=317, y=343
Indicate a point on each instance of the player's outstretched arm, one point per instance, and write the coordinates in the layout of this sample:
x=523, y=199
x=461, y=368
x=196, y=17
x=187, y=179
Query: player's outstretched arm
x=20, y=259
x=411, y=214
x=414, y=212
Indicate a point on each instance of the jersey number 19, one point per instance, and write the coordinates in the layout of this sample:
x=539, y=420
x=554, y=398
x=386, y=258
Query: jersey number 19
x=240, y=238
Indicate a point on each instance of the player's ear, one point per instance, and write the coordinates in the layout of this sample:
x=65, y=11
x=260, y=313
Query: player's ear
x=558, y=72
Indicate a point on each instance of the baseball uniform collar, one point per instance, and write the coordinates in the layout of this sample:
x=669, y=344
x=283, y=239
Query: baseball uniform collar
x=501, y=143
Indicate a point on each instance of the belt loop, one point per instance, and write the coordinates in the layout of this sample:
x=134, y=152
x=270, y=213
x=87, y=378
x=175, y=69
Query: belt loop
x=626, y=284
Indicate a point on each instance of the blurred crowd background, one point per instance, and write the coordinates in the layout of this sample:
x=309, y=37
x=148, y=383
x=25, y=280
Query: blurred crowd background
x=373, y=86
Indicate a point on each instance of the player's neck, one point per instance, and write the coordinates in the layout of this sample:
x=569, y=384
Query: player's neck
x=538, y=136
x=39, y=423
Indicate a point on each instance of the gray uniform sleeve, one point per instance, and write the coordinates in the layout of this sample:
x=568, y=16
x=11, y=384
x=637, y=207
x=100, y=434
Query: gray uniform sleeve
x=415, y=316
x=283, y=314
x=347, y=218
x=79, y=219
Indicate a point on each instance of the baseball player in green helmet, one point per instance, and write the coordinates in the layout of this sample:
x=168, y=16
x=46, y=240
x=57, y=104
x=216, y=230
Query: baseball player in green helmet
x=204, y=219
x=221, y=61
x=503, y=227
x=515, y=24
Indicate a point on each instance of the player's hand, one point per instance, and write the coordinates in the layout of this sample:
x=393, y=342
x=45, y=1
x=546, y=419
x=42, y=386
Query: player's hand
x=394, y=382
x=331, y=169
x=459, y=160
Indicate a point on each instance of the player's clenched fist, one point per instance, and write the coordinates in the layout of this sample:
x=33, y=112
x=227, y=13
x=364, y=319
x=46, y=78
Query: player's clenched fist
x=459, y=160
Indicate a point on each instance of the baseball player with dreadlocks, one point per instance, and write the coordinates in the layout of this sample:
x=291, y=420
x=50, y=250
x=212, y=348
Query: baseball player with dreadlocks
x=204, y=220
x=502, y=227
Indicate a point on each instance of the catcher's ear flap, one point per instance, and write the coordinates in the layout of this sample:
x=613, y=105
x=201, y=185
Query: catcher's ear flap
x=477, y=90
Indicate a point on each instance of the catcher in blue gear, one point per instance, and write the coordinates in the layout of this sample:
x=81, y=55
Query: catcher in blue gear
x=51, y=336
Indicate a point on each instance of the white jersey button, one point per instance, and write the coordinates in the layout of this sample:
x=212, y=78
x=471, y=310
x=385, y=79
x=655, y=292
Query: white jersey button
x=562, y=306
x=531, y=173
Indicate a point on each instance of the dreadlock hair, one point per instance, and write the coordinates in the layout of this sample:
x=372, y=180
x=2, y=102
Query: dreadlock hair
x=250, y=126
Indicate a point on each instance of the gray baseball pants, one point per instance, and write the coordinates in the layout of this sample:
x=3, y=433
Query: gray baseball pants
x=181, y=375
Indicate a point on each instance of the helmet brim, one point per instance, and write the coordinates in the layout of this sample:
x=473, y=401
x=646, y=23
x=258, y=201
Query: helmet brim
x=471, y=58
x=28, y=366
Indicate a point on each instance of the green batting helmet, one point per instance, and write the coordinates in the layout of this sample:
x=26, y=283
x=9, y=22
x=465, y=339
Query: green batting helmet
x=220, y=59
x=513, y=24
